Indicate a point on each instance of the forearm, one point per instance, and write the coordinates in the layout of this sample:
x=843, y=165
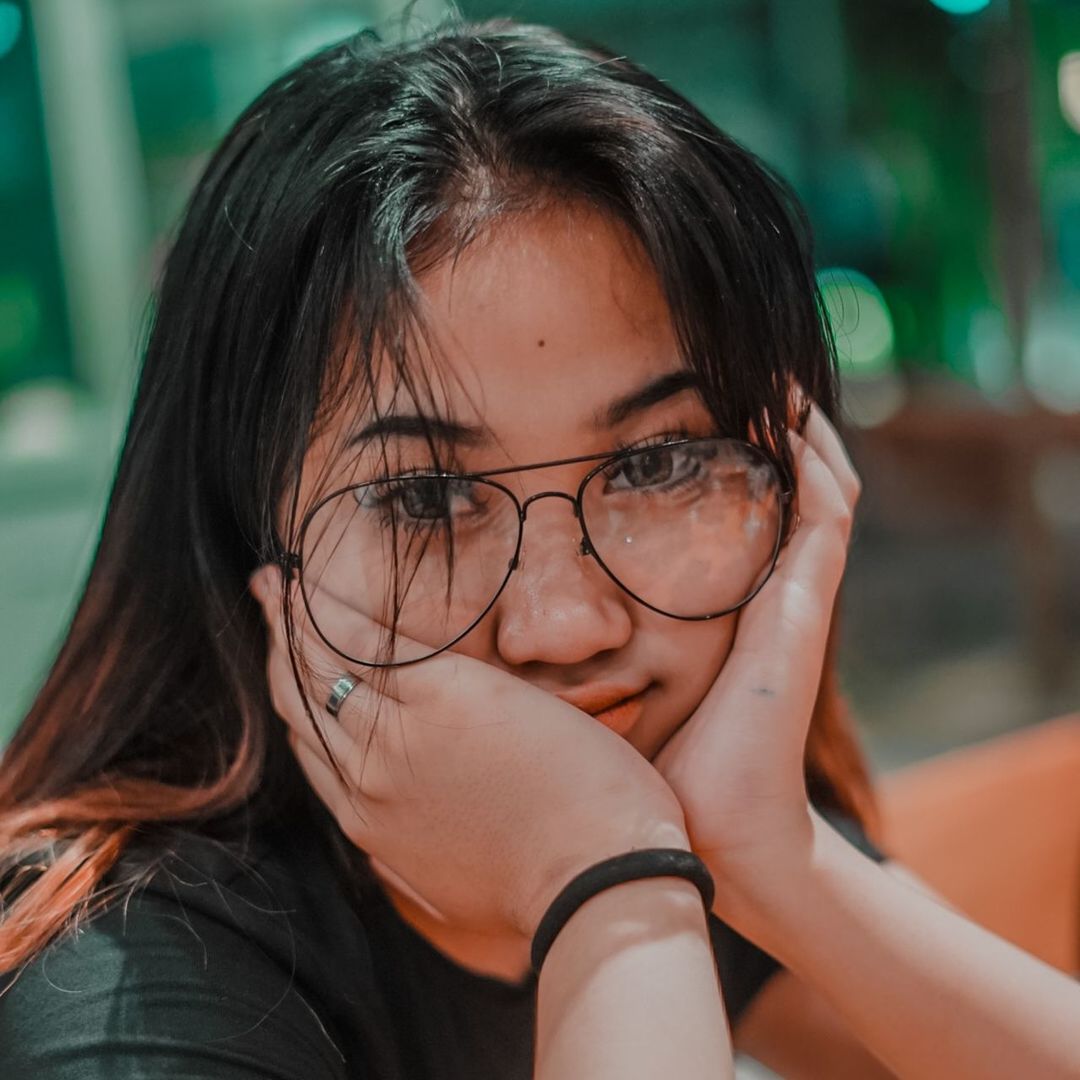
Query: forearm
x=926, y=990
x=629, y=990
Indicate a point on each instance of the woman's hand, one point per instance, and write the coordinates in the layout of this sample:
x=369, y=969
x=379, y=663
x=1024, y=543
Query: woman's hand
x=483, y=795
x=736, y=765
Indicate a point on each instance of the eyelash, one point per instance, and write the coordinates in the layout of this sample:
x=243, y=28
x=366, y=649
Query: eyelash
x=653, y=440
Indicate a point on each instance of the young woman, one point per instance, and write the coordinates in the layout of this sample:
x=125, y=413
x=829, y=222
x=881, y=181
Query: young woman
x=479, y=521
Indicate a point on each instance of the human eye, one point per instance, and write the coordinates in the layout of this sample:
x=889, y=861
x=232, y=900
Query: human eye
x=664, y=464
x=435, y=501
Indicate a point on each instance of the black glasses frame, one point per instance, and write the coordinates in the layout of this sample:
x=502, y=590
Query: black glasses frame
x=292, y=562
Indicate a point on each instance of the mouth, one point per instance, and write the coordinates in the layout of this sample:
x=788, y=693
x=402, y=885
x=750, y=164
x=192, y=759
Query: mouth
x=616, y=708
x=623, y=715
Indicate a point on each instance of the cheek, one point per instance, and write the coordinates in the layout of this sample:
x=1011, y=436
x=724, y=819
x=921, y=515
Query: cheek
x=685, y=659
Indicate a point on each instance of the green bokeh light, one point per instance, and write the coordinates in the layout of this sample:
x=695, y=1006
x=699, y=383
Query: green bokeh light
x=10, y=27
x=961, y=7
x=861, y=322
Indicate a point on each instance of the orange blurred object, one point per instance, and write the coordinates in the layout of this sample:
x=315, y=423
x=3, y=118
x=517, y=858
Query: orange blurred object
x=995, y=829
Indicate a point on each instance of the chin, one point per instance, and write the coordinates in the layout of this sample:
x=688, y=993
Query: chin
x=649, y=745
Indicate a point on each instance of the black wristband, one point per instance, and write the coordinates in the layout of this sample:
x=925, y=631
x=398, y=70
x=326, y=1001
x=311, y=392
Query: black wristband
x=631, y=866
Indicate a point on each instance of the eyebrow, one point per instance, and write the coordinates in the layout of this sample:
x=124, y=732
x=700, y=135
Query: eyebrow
x=645, y=397
x=415, y=426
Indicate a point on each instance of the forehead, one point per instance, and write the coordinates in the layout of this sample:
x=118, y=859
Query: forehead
x=543, y=322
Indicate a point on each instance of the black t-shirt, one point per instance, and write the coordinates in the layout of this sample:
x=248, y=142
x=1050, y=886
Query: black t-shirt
x=275, y=966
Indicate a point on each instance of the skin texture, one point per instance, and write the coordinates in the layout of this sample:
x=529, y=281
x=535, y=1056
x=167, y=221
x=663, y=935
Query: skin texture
x=534, y=330
x=546, y=303
x=539, y=326
x=725, y=717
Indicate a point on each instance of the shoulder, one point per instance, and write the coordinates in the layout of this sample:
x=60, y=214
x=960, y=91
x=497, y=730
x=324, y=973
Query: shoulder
x=153, y=984
x=206, y=971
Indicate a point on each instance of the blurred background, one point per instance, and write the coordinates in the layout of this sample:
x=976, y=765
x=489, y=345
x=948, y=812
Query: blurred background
x=936, y=145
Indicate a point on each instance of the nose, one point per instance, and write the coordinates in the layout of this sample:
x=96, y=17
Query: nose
x=559, y=606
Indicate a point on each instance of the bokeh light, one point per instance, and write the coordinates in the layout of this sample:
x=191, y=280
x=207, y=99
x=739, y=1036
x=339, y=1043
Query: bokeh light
x=11, y=22
x=862, y=327
x=38, y=420
x=961, y=7
x=1051, y=359
x=991, y=352
x=1055, y=484
x=860, y=319
x=1069, y=88
x=934, y=144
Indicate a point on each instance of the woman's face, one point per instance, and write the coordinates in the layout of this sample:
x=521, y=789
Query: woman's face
x=541, y=328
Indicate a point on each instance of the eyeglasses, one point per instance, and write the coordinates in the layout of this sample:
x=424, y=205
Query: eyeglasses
x=690, y=528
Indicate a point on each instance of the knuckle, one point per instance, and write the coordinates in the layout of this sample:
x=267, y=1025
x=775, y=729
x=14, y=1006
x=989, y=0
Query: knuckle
x=839, y=515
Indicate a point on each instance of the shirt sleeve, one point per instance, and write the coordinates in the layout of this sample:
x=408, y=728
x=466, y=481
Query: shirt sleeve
x=156, y=991
x=744, y=968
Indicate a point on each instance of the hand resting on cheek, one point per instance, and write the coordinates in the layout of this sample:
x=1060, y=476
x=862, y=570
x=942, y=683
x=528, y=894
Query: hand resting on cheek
x=737, y=764
x=483, y=794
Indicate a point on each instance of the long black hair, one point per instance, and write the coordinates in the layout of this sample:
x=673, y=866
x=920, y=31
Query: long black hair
x=293, y=271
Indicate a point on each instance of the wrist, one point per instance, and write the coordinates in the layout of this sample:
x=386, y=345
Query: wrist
x=634, y=913
x=645, y=863
x=765, y=895
x=564, y=869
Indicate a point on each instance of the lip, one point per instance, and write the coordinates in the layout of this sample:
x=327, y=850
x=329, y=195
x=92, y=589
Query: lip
x=616, y=707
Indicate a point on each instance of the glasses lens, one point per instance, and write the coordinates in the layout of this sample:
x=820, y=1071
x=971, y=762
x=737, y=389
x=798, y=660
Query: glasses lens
x=425, y=554
x=690, y=528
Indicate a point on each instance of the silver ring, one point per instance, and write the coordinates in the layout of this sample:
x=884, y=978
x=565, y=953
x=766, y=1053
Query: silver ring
x=345, y=685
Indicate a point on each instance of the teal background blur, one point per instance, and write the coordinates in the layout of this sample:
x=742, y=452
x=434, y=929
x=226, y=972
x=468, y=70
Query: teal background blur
x=935, y=144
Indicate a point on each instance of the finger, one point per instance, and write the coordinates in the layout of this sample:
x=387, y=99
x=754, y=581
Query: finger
x=438, y=681
x=782, y=634
x=366, y=748
x=316, y=676
x=320, y=666
x=300, y=693
x=323, y=615
x=424, y=686
x=383, y=729
x=371, y=720
x=318, y=730
x=355, y=815
x=364, y=744
x=387, y=734
x=825, y=440
x=811, y=566
x=822, y=500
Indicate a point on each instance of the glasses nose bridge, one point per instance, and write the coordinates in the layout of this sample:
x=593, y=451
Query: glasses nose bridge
x=573, y=500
